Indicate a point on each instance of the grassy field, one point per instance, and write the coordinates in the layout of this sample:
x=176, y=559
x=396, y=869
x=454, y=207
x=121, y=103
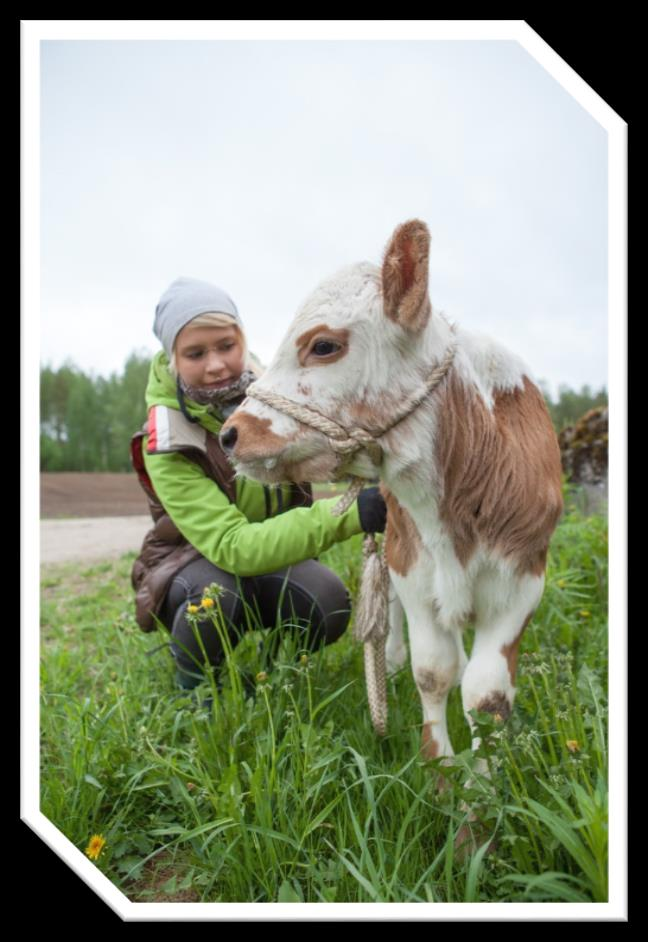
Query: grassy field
x=281, y=791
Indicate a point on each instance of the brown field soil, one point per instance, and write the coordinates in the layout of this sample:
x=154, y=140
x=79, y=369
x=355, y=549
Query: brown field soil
x=90, y=494
x=100, y=494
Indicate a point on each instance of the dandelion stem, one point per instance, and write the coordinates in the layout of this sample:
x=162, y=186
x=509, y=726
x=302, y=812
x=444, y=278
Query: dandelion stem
x=543, y=720
x=519, y=797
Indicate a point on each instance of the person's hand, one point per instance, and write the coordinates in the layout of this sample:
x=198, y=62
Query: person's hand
x=372, y=510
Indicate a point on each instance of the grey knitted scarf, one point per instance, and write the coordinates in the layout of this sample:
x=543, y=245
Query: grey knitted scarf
x=223, y=400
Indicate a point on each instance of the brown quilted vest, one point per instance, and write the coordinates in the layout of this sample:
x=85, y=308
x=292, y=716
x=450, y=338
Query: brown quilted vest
x=165, y=551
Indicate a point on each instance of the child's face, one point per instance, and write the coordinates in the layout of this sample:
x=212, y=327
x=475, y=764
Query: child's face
x=209, y=357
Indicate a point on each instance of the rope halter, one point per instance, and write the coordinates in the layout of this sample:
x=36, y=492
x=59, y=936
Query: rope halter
x=371, y=623
x=347, y=441
x=343, y=441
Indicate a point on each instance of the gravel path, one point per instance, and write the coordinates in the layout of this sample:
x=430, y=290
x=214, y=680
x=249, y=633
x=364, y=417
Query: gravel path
x=91, y=538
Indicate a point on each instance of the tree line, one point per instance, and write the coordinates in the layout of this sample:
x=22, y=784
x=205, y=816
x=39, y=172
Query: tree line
x=571, y=404
x=87, y=421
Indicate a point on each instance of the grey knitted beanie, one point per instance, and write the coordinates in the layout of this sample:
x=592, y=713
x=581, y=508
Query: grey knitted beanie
x=185, y=299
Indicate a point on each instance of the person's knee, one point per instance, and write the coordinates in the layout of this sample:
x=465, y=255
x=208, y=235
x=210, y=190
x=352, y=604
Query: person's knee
x=201, y=575
x=331, y=602
x=208, y=635
x=336, y=614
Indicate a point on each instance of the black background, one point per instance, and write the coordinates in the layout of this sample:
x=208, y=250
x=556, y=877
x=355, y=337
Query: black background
x=602, y=51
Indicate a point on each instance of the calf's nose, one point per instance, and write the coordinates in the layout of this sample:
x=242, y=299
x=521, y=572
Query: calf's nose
x=228, y=438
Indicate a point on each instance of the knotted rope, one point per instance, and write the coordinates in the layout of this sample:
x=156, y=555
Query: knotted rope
x=371, y=623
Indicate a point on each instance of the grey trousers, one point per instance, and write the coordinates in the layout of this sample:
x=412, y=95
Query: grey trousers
x=309, y=598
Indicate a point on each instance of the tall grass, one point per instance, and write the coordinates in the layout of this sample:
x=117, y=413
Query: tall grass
x=279, y=789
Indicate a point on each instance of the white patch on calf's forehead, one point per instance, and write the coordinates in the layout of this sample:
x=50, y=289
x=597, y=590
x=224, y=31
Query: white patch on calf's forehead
x=351, y=289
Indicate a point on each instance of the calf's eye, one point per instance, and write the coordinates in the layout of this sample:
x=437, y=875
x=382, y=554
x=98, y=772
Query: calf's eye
x=324, y=348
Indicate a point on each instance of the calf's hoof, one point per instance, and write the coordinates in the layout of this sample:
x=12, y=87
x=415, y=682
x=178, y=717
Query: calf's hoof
x=470, y=837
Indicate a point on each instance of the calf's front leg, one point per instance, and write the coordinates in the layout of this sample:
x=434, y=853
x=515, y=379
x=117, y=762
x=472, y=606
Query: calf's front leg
x=436, y=666
x=488, y=682
x=488, y=685
x=395, y=650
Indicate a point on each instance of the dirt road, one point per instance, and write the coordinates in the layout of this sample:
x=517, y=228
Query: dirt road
x=91, y=538
x=90, y=494
x=92, y=516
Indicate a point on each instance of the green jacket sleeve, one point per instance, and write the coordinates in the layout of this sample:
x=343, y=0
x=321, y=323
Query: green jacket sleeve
x=224, y=535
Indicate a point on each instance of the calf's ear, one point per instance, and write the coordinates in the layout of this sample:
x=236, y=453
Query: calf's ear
x=405, y=276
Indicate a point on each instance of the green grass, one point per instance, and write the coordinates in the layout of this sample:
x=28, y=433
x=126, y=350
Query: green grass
x=285, y=793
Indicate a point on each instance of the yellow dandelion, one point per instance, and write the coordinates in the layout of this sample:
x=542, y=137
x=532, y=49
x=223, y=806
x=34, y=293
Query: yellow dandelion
x=561, y=583
x=207, y=603
x=572, y=745
x=585, y=614
x=303, y=659
x=192, y=608
x=95, y=846
x=261, y=676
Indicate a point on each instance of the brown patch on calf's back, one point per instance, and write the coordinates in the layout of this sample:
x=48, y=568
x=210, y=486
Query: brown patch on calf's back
x=402, y=539
x=510, y=651
x=500, y=472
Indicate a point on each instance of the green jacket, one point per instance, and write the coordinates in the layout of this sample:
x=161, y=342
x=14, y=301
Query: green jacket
x=249, y=536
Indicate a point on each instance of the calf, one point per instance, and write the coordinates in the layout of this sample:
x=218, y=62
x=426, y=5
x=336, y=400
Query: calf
x=471, y=477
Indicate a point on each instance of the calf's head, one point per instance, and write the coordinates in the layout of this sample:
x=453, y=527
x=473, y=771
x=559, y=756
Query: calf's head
x=352, y=352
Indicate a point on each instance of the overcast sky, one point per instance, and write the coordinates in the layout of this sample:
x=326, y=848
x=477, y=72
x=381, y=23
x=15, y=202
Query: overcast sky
x=266, y=166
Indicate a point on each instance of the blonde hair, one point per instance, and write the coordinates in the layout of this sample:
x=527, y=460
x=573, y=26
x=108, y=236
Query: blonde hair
x=215, y=320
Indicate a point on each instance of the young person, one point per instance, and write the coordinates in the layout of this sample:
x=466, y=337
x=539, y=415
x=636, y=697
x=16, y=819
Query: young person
x=260, y=544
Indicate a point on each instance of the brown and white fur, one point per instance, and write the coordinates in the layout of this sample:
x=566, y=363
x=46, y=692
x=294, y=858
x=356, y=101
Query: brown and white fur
x=472, y=478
